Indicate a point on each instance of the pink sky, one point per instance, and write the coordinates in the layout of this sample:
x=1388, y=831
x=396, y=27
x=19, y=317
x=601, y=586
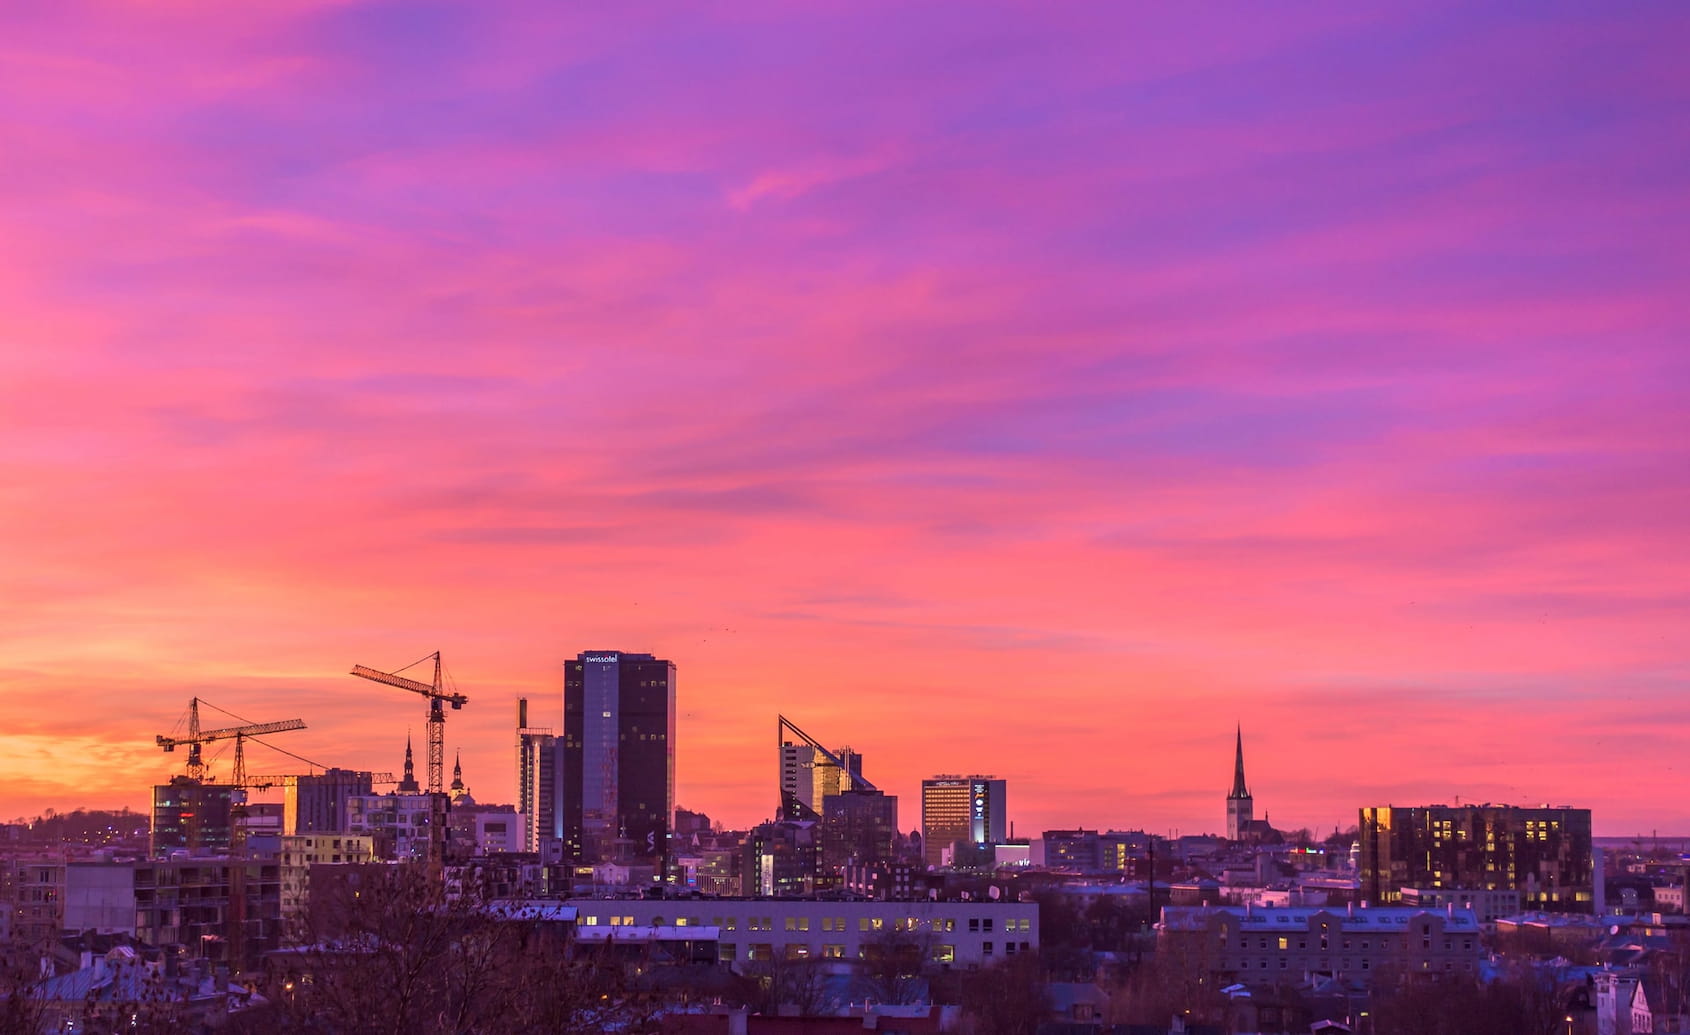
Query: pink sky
x=994, y=388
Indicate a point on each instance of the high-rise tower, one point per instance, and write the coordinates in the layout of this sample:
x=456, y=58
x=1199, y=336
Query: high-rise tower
x=954, y=809
x=618, y=757
x=1240, y=807
x=539, y=790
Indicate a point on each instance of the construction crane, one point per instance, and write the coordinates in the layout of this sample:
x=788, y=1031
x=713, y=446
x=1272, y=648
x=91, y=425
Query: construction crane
x=265, y=781
x=196, y=736
x=437, y=697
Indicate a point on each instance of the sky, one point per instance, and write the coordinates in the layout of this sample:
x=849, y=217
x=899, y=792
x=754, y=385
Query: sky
x=1026, y=389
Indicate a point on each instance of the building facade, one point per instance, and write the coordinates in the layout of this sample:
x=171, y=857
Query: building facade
x=808, y=778
x=219, y=908
x=399, y=824
x=317, y=804
x=301, y=852
x=966, y=809
x=539, y=787
x=860, y=825
x=1543, y=853
x=965, y=934
x=1251, y=944
x=618, y=758
x=192, y=816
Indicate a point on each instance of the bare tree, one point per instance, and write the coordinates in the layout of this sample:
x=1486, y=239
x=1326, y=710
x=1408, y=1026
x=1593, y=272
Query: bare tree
x=385, y=952
x=782, y=985
x=1007, y=998
x=22, y=1010
x=895, y=962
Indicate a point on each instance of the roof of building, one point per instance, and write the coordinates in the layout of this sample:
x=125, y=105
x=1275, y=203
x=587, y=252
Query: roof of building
x=648, y=933
x=1282, y=918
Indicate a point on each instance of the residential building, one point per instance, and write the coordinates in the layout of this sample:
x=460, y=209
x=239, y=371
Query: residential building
x=1488, y=905
x=619, y=758
x=219, y=908
x=398, y=823
x=539, y=776
x=1543, y=853
x=317, y=804
x=300, y=852
x=32, y=896
x=485, y=829
x=1249, y=943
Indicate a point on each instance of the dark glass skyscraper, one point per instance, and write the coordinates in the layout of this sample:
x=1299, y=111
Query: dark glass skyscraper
x=1545, y=853
x=618, y=757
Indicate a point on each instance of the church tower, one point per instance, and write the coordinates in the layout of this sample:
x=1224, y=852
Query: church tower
x=1240, y=807
x=409, y=784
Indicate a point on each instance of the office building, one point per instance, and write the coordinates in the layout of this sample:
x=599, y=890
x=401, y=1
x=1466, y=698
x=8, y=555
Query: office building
x=192, y=816
x=618, y=758
x=1543, y=853
x=808, y=777
x=960, y=809
x=781, y=859
x=860, y=825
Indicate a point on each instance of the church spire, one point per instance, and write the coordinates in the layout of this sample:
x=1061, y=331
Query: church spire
x=1239, y=789
x=458, y=771
x=409, y=784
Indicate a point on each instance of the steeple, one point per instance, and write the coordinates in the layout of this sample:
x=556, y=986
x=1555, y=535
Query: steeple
x=458, y=792
x=1240, y=807
x=409, y=784
x=1239, y=790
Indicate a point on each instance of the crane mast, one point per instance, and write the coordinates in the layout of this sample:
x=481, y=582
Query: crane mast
x=437, y=699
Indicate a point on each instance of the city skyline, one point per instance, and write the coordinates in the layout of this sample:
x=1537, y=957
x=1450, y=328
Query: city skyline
x=1043, y=394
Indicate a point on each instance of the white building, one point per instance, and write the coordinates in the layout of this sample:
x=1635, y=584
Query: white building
x=965, y=934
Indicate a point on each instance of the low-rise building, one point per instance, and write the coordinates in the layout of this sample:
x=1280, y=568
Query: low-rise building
x=303, y=851
x=965, y=934
x=1490, y=905
x=1232, y=943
